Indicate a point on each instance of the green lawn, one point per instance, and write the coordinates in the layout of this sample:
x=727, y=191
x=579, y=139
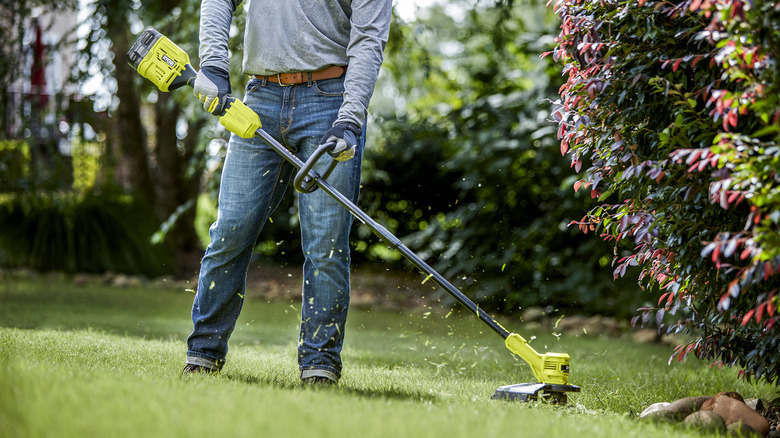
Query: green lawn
x=94, y=361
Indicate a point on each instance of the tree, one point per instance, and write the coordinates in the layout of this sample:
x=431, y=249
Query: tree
x=672, y=109
x=165, y=156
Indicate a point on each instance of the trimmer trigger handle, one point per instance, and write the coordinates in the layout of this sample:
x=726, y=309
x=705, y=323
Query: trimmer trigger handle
x=306, y=179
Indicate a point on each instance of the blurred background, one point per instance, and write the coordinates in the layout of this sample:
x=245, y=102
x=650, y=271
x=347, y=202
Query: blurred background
x=99, y=172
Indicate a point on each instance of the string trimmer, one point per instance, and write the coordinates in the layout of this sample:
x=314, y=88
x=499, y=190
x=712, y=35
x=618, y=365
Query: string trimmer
x=164, y=63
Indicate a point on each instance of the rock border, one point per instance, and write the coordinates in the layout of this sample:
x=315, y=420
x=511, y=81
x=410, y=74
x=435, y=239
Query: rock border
x=726, y=412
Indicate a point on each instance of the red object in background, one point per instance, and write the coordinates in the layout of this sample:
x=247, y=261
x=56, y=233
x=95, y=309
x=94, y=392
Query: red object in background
x=38, y=70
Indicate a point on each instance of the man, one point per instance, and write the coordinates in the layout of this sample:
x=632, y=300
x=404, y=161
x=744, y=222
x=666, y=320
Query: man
x=313, y=67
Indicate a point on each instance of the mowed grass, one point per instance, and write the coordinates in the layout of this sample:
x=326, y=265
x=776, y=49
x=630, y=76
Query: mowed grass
x=97, y=361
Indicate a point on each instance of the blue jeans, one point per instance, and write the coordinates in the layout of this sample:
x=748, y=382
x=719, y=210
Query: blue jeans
x=254, y=179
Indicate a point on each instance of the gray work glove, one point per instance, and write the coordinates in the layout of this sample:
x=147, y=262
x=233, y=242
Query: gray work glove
x=212, y=87
x=344, y=135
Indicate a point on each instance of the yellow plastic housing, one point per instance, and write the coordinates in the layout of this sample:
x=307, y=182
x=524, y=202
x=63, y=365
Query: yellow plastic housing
x=164, y=63
x=240, y=119
x=552, y=368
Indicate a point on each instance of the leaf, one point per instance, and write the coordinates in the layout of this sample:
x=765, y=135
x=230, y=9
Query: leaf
x=716, y=252
x=731, y=246
x=760, y=312
x=734, y=288
x=708, y=249
x=747, y=317
x=694, y=156
x=724, y=303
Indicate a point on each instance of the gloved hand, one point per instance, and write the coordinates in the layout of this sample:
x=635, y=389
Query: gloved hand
x=344, y=135
x=211, y=87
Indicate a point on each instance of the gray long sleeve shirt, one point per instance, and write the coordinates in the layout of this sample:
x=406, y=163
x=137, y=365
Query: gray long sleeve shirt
x=285, y=36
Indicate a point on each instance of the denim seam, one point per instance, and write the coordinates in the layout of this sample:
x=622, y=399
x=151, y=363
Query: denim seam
x=285, y=106
x=216, y=363
x=321, y=367
x=270, y=206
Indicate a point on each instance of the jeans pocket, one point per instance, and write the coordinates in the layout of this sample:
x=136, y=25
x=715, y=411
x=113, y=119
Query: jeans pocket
x=253, y=85
x=330, y=87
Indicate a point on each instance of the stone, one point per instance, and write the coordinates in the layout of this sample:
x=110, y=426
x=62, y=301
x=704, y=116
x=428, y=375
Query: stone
x=707, y=406
x=598, y=325
x=533, y=314
x=741, y=429
x=645, y=336
x=755, y=404
x=686, y=406
x=656, y=411
x=706, y=421
x=82, y=279
x=732, y=394
x=735, y=411
x=571, y=324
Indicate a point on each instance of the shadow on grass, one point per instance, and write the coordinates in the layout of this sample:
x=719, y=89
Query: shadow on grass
x=394, y=393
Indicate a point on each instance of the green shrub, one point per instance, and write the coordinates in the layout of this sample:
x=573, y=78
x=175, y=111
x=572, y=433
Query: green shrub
x=14, y=164
x=672, y=109
x=71, y=233
x=482, y=199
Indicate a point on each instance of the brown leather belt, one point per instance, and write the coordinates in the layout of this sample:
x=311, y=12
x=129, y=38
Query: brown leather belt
x=304, y=77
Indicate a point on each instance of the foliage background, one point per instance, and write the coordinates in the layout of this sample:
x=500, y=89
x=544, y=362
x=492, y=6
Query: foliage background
x=672, y=110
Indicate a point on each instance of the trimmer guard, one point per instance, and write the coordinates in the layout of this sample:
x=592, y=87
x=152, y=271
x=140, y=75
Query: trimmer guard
x=525, y=392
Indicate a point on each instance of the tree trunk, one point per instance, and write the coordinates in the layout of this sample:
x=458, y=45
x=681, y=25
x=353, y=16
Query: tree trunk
x=175, y=185
x=131, y=134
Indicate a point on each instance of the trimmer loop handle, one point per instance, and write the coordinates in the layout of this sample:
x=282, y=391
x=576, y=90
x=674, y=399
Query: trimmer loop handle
x=310, y=181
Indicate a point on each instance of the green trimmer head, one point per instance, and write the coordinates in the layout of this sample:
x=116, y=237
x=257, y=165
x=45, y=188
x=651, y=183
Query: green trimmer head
x=550, y=369
x=526, y=392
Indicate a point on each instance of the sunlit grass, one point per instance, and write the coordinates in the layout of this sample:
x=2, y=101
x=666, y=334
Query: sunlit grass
x=97, y=361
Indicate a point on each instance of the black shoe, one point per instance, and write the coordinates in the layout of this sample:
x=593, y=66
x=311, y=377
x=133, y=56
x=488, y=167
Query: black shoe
x=318, y=381
x=196, y=369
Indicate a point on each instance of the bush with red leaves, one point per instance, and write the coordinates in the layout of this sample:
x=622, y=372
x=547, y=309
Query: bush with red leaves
x=671, y=112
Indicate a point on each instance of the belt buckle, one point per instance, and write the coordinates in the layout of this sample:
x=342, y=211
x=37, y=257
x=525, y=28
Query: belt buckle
x=279, y=81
